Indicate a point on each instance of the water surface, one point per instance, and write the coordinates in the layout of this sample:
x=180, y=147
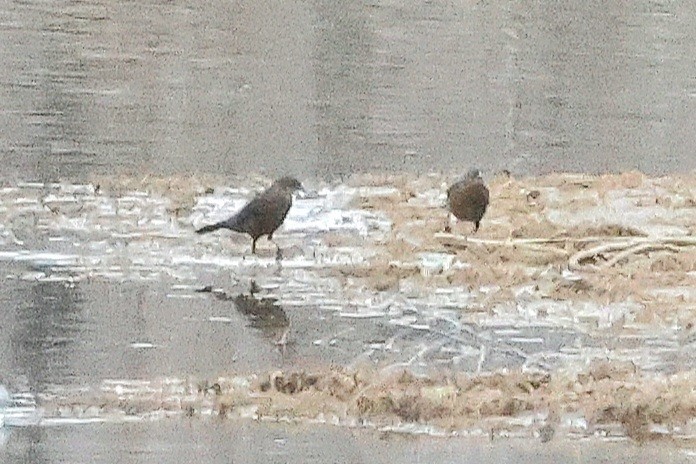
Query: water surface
x=325, y=89
x=223, y=442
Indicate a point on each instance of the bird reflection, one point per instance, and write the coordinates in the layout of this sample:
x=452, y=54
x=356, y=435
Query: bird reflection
x=263, y=314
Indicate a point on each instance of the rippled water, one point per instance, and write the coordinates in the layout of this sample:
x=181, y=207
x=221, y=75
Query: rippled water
x=324, y=89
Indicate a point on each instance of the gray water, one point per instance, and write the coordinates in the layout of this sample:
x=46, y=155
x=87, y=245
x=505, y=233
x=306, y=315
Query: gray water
x=318, y=89
x=224, y=442
x=325, y=89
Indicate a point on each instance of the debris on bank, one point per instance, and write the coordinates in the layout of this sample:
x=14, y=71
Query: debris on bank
x=605, y=400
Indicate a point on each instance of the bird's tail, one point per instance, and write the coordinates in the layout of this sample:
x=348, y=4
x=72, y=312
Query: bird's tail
x=210, y=228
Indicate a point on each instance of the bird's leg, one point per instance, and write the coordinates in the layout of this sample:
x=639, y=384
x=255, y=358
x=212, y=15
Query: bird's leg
x=448, y=224
x=253, y=246
x=283, y=341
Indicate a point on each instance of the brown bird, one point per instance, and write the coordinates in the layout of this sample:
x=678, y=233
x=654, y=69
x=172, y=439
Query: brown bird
x=262, y=215
x=468, y=198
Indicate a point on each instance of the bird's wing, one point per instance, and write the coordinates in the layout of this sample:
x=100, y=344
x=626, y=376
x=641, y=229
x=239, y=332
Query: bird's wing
x=452, y=188
x=252, y=212
x=477, y=193
x=455, y=188
x=477, y=187
x=468, y=199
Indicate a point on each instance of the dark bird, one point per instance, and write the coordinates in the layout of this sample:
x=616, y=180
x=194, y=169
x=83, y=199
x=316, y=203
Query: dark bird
x=262, y=215
x=467, y=199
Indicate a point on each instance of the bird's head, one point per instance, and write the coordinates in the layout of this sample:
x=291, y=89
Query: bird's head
x=288, y=184
x=473, y=174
